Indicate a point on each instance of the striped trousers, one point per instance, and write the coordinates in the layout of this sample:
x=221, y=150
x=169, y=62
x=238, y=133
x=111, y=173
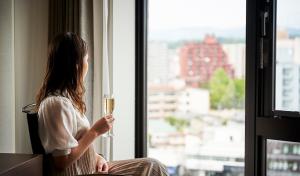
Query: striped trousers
x=137, y=167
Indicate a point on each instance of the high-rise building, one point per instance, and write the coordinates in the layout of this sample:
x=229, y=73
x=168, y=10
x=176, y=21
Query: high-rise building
x=169, y=100
x=198, y=61
x=222, y=153
x=283, y=158
x=288, y=74
x=161, y=63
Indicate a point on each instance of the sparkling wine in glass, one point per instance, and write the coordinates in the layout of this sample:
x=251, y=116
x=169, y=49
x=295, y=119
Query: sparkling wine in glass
x=108, y=106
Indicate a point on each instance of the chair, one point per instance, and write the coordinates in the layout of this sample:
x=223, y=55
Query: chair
x=32, y=120
x=36, y=144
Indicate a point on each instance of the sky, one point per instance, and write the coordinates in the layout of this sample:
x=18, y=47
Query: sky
x=288, y=13
x=170, y=14
x=174, y=14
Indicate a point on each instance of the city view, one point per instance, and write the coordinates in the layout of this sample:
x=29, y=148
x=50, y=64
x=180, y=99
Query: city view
x=196, y=106
x=196, y=88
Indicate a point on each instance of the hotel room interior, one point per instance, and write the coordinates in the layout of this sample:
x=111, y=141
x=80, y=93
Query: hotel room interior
x=206, y=87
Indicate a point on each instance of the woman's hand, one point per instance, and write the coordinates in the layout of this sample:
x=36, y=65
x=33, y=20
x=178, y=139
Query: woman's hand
x=101, y=164
x=100, y=127
x=103, y=125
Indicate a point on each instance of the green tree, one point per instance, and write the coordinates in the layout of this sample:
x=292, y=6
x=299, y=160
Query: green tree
x=226, y=92
x=239, y=92
x=178, y=123
x=227, y=99
x=218, y=89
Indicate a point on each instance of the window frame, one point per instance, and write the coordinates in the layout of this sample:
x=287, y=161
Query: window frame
x=263, y=121
x=251, y=87
x=141, y=16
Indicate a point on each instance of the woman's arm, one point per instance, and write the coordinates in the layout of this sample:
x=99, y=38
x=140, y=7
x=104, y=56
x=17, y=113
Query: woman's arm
x=100, y=127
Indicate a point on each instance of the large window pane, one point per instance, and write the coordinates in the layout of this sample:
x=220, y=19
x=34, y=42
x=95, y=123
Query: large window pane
x=288, y=56
x=196, y=86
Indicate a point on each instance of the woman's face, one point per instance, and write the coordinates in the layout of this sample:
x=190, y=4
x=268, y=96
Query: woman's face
x=85, y=65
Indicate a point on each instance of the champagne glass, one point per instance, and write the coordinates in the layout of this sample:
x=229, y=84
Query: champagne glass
x=108, y=106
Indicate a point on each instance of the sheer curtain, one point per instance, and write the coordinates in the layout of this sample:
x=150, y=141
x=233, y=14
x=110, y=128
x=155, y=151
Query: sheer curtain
x=76, y=16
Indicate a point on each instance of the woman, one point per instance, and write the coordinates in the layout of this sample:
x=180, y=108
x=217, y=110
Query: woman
x=64, y=130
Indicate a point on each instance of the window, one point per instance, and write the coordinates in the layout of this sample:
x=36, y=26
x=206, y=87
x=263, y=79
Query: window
x=202, y=86
x=271, y=108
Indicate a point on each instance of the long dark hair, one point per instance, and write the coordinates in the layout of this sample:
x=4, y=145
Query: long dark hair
x=65, y=69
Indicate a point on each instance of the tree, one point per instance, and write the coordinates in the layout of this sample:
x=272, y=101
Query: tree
x=226, y=92
x=178, y=123
x=218, y=89
x=239, y=92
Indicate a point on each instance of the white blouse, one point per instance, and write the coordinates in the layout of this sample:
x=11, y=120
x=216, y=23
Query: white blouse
x=60, y=125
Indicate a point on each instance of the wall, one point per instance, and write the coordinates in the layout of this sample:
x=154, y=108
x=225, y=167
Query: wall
x=30, y=49
x=23, y=50
x=7, y=95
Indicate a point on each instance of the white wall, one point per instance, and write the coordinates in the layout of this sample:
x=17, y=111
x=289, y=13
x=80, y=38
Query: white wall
x=123, y=77
x=23, y=55
x=7, y=127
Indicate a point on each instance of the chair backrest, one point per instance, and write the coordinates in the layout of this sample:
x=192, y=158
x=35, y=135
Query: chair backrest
x=32, y=120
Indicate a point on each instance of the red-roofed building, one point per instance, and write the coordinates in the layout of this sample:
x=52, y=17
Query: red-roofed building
x=198, y=61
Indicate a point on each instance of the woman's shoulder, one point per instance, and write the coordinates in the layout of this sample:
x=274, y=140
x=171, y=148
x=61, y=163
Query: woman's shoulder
x=55, y=101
